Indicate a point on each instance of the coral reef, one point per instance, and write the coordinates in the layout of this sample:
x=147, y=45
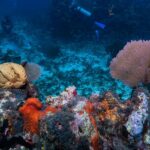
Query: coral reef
x=12, y=75
x=11, y=123
x=89, y=117
x=56, y=131
x=70, y=121
x=78, y=68
x=64, y=98
x=11, y=99
x=76, y=65
x=104, y=123
x=101, y=121
x=73, y=123
x=115, y=124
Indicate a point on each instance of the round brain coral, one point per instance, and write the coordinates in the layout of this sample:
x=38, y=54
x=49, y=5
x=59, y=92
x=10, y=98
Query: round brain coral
x=12, y=75
x=132, y=64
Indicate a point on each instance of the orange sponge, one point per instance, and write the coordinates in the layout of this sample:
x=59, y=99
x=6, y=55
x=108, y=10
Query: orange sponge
x=32, y=113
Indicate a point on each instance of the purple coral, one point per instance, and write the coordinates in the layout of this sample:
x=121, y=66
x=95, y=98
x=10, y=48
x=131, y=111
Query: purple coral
x=132, y=64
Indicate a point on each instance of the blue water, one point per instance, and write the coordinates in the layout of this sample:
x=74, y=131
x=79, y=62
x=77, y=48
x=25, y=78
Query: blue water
x=62, y=37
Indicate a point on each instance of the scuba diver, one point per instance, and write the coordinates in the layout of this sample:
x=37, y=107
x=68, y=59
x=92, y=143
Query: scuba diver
x=7, y=25
x=99, y=25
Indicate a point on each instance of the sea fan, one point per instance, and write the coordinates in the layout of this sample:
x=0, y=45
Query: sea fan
x=33, y=71
x=132, y=64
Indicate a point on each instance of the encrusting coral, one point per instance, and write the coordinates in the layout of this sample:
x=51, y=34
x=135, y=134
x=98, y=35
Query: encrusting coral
x=12, y=75
x=107, y=112
x=109, y=109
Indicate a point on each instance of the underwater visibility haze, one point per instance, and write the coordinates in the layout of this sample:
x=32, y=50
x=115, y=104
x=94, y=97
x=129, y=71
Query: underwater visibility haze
x=74, y=75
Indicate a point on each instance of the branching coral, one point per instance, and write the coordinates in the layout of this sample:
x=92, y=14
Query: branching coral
x=132, y=64
x=32, y=113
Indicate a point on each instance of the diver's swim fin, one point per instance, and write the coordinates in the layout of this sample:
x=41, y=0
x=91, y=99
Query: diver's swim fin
x=100, y=25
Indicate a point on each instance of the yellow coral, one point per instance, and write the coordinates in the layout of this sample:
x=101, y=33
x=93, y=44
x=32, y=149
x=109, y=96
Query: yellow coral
x=12, y=75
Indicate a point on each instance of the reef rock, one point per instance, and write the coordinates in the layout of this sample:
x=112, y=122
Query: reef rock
x=139, y=115
x=73, y=126
x=147, y=137
x=72, y=122
x=65, y=97
x=103, y=122
x=110, y=116
x=10, y=99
